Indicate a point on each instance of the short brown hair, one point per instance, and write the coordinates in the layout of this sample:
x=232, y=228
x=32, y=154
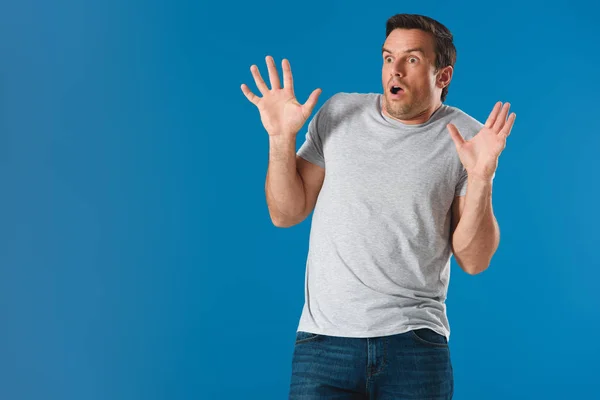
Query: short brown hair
x=445, y=52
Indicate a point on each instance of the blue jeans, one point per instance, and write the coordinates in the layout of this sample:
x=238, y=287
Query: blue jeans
x=413, y=365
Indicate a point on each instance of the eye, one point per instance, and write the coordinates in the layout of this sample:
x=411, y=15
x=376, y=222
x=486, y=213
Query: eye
x=388, y=58
x=413, y=58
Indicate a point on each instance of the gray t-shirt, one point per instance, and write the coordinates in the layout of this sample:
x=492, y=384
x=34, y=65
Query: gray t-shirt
x=379, y=250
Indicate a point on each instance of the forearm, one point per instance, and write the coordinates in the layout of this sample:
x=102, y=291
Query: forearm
x=283, y=187
x=477, y=235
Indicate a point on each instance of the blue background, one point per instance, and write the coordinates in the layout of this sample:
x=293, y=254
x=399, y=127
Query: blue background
x=137, y=257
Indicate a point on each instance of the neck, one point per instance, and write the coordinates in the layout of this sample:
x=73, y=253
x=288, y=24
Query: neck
x=419, y=118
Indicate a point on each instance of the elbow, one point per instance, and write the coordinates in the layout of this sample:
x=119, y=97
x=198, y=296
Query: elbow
x=473, y=267
x=285, y=222
x=282, y=224
x=475, y=262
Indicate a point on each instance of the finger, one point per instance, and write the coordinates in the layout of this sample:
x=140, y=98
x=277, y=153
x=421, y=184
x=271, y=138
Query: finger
x=288, y=80
x=501, y=120
x=307, y=108
x=455, y=135
x=260, y=84
x=273, y=74
x=254, y=99
x=508, y=126
x=493, y=115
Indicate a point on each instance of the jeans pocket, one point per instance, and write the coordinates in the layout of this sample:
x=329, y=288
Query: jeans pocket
x=429, y=337
x=302, y=336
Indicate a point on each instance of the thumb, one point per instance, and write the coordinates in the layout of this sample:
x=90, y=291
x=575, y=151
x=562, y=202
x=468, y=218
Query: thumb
x=307, y=108
x=455, y=135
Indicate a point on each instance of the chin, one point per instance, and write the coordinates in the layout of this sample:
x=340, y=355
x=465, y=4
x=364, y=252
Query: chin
x=398, y=108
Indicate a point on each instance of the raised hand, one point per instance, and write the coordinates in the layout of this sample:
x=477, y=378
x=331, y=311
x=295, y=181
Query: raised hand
x=280, y=112
x=479, y=155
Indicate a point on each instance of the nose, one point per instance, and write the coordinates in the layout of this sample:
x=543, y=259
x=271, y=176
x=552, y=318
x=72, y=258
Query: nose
x=397, y=69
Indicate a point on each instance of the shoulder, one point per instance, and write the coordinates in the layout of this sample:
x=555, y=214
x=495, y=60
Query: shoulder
x=342, y=102
x=467, y=125
x=338, y=109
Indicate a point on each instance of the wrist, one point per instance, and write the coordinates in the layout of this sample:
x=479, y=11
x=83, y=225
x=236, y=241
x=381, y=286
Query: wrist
x=282, y=147
x=282, y=143
x=479, y=183
x=283, y=139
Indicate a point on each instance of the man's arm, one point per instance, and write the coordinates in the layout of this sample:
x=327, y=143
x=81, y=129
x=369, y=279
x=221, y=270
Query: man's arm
x=292, y=185
x=475, y=231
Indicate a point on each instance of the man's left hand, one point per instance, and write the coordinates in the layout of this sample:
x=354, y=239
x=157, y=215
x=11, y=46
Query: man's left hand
x=479, y=155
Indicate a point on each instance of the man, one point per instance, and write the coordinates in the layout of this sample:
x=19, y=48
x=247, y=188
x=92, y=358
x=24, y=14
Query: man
x=398, y=182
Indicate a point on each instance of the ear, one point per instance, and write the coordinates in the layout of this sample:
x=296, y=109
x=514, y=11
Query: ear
x=444, y=76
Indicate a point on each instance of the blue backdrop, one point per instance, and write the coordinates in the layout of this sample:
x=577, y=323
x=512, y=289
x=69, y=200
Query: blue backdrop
x=137, y=258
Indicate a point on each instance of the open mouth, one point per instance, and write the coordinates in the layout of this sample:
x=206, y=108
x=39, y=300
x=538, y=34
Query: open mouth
x=396, y=89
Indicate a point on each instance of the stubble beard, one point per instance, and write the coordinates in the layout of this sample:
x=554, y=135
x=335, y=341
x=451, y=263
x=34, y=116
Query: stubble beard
x=402, y=109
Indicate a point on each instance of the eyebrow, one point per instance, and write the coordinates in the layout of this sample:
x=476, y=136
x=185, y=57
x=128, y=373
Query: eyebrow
x=414, y=49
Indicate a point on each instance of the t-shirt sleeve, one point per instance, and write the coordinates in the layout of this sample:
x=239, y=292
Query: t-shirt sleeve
x=312, y=148
x=461, y=186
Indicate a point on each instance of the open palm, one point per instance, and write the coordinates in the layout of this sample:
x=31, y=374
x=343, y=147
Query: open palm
x=280, y=111
x=479, y=155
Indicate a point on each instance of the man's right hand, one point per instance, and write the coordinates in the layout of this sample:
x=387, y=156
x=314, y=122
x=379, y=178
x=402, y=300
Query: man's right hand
x=281, y=114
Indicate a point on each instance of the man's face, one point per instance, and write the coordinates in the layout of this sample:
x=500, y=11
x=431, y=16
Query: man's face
x=409, y=62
